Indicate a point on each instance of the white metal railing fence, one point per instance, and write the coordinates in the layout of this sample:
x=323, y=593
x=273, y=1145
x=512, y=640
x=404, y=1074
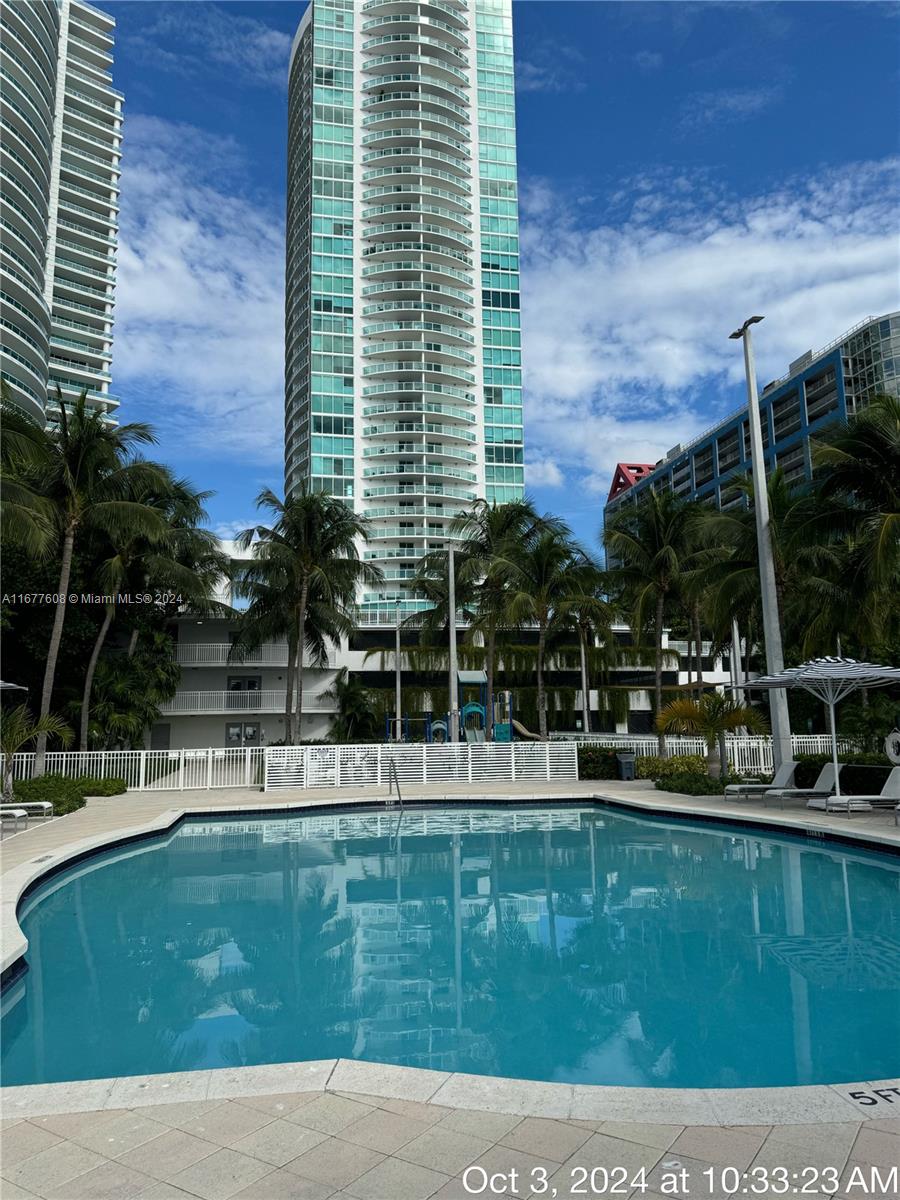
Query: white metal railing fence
x=245, y=701
x=746, y=755
x=345, y=766
x=361, y=766
x=219, y=654
x=155, y=770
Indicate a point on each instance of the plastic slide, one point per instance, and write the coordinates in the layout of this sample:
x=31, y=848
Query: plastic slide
x=525, y=733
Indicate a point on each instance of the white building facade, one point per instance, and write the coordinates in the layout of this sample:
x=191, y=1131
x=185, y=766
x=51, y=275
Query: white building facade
x=402, y=355
x=61, y=152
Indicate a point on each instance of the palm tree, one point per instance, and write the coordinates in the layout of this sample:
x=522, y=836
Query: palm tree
x=19, y=729
x=541, y=579
x=857, y=516
x=182, y=559
x=80, y=477
x=129, y=691
x=649, y=546
x=356, y=720
x=590, y=615
x=491, y=535
x=711, y=717
x=303, y=581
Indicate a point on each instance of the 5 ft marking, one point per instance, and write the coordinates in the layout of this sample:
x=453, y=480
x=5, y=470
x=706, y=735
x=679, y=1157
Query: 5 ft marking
x=889, y=1095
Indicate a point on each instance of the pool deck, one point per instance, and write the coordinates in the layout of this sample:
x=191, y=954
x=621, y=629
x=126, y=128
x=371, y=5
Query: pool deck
x=365, y=1131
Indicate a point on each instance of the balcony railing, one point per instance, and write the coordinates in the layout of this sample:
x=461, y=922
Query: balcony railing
x=221, y=654
x=195, y=703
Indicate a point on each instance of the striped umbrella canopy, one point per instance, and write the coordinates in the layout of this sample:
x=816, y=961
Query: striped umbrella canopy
x=831, y=680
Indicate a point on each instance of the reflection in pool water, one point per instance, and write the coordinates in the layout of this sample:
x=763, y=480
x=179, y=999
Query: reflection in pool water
x=571, y=944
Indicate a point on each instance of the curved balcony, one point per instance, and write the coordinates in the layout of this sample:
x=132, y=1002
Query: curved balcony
x=421, y=388
x=417, y=369
x=399, y=41
x=423, y=78
x=399, y=92
x=392, y=428
x=402, y=449
x=396, y=61
x=402, y=407
x=414, y=20
x=417, y=227
x=408, y=271
x=439, y=350
x=428, y=326
x=388, y=252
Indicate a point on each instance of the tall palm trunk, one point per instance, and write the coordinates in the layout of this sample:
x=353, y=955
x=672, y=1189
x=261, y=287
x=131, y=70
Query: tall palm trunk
x=698, y=638
x=585, y=689
x=490, y=649
x=89, y=675
x=65, y=571
x=132, y=642
x=541, y=696
x=289, y=687
x=657, y=687
x=301, y=643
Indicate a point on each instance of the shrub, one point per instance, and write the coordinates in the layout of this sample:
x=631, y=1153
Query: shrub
x=597, y=762
x=65, y=794
x=101, y=787
x=865, y=781
x=692, y=785
x=654, y=767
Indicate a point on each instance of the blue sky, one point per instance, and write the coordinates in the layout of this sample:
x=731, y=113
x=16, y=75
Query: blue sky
x=681, y=165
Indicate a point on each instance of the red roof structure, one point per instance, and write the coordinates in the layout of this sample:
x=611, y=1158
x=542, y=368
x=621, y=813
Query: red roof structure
x=626, y=476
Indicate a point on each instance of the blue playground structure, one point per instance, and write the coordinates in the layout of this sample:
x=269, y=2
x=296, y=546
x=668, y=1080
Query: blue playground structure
x=472, y=714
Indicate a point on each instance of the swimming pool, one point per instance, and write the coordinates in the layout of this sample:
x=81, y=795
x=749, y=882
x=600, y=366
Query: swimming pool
x=570, y=943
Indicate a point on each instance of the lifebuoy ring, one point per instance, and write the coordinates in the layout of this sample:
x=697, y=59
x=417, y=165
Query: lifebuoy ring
x=892, y=746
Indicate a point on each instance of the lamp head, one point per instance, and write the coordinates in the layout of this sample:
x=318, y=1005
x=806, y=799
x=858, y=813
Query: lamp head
x=739, y=333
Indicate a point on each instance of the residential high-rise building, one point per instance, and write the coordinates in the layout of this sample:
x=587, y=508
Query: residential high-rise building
x=61, y=147
x=818, y=389
x=402, y=342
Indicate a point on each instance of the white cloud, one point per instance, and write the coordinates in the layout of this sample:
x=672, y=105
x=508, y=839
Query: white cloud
x=625, y=324
x=206, y=35
x=554, y=67
x=543, y=473
x=200, y=298
x=647, y=60
x=726, y=107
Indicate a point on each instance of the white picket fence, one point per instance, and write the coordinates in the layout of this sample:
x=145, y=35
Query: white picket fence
x=155, y=770
x=746, y=755
x=361, y=766
x=345, y=766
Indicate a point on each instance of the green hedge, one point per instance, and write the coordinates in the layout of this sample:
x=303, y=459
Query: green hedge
x=101, y=787
x=66, y=794
x=692, y=785
x=862, y=782
x=597, y=762
x=654, y=767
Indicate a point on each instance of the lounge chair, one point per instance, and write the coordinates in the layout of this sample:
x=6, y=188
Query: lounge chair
x=823, y=787
x=14, y=814
x=886, y=798
x=44, y=807
x=755, y=791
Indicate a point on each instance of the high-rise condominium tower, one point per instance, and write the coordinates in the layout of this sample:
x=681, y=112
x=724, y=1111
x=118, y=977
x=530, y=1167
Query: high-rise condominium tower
x=59, y=155
x=403, y=360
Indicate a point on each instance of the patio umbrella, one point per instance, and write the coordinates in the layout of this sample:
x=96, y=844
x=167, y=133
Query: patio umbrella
x=831, y=680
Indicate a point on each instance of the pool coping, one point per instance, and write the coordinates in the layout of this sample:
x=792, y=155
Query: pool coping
x=812, y=1104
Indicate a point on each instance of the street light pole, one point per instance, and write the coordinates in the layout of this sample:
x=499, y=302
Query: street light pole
x=454, y=679
x=398, y=699
x=781, y=726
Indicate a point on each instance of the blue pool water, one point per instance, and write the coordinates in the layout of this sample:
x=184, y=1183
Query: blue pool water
x=567, y=943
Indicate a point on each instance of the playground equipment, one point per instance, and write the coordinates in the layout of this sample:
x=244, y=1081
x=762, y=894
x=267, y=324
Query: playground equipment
x=472, y=716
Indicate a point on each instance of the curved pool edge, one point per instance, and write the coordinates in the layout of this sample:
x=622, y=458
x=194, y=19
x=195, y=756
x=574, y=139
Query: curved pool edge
x=811, y=1104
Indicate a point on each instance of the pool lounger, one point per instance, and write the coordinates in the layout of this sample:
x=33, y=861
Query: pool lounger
x=886, y=798
x=33, y=807
x=821, y=789
x=14, y=814
x=751, y=791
